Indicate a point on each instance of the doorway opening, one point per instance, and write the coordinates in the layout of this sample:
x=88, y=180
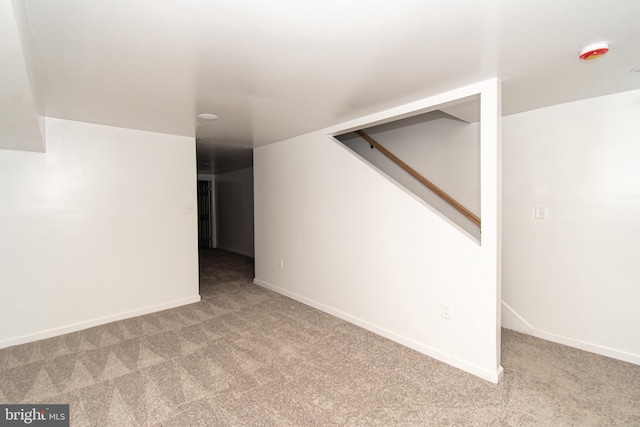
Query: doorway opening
x=225, y=229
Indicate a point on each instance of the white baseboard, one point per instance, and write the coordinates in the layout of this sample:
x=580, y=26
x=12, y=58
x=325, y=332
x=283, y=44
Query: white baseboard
x=53, y=332
x=512, y=320
x=493, y=376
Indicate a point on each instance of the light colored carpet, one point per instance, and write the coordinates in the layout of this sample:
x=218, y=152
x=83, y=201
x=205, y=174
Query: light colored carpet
x=247, y=356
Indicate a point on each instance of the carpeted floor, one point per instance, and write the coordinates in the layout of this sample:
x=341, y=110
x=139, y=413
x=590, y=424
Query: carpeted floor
x=247, y=356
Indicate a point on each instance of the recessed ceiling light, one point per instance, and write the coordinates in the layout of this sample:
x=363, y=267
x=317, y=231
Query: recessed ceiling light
x=207, y=116
x=594, y=51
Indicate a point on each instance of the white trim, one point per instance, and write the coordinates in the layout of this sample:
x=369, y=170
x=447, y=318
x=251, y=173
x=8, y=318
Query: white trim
x=415, y=108
x=517, y=323
x=53, y=332
x=494, y=377
x=404, y=189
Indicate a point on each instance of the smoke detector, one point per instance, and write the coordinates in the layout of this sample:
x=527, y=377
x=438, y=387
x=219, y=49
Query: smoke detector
x=594, y=51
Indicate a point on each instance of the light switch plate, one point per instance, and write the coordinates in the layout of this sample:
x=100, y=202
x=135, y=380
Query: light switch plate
x=445, y=311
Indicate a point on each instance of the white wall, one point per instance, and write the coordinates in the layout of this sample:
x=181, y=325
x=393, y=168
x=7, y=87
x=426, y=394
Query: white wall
x=233, y=193
x=574, y=278
x=95, y=229
x=355, y=244
x=21, y=103
x=444, y=150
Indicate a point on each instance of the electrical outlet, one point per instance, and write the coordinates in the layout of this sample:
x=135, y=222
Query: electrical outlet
x=445, y=311
x=189, y=209
x=281, y=263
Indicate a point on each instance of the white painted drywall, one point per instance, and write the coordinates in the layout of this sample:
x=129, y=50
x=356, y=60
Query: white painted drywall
x=95, y=229
x=355, y=244
x=233, y=192
x=444, y=150
x=574, y=278
x=21, y=105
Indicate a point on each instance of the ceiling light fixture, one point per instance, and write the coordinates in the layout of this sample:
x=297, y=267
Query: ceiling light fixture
x=594, y=51
x=207, y=116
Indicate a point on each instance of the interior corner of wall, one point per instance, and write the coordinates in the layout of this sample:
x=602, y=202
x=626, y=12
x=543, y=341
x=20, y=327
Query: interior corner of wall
x=43, y=132
x=512, y=320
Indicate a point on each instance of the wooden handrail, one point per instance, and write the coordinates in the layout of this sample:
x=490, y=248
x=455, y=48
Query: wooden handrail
x=430, y=185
